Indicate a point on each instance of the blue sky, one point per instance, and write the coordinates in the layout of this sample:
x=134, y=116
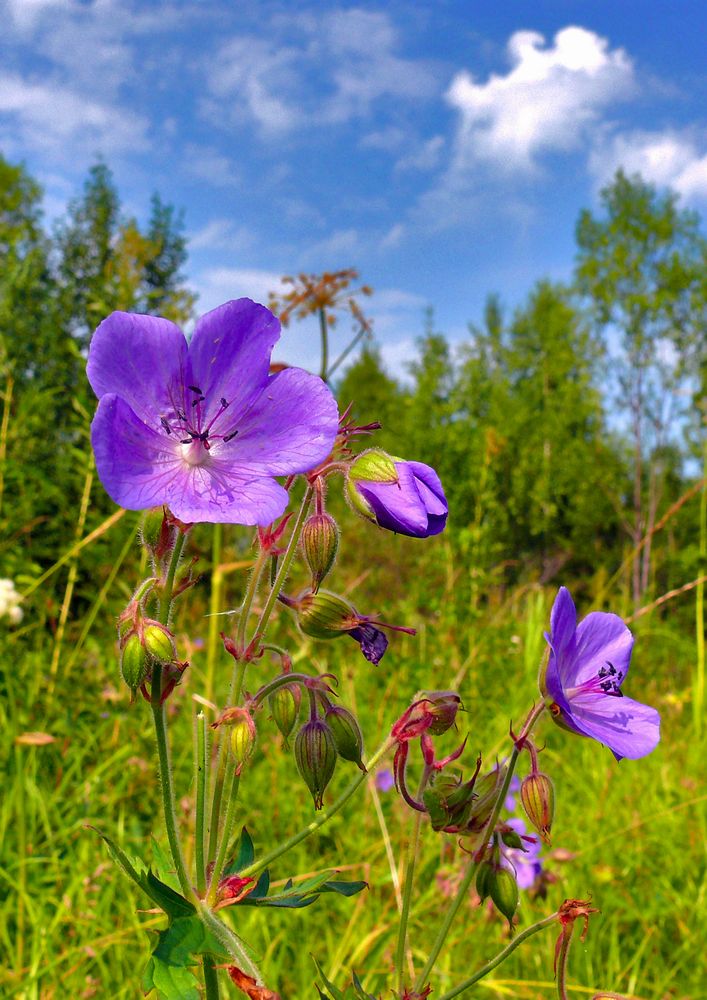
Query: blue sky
x=443, y=148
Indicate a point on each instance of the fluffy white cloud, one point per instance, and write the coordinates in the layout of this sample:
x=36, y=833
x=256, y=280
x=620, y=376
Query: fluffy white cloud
x=219, y=284
x=547, y=100
x=671, y=158
x=62, y=121
x=320, y=70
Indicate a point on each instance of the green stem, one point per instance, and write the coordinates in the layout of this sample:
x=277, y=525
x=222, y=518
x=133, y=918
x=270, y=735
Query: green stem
x=501, y=957
x=201, y=768
x=248, y=597
x=233, y=778
x=160, y=719
x=413, y=845
x=323, y=817
x=699, y=681
x=324, y=334
x=214, y=607
x=210, y=979
x=231, y=943
x=473, y=863
x=216, y=801
x=561, y=961
x=284, y=567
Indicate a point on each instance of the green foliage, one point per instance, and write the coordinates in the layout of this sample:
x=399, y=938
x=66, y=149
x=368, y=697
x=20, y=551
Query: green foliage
x=169, y=970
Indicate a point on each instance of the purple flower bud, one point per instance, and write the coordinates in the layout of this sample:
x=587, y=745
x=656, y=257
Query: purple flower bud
x=405, y=497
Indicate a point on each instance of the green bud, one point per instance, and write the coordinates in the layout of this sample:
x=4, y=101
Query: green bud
x=134, y=662
x=284, y=705
x=159, y=643
x=347, y=734
x=511, y=838
x=315, y=754
x=320, y=539
x=241, y=735
x=503, y=890
x=325, y=615
x=151, y=527
x=537, y=793
x=374, y=466
x=484, y=876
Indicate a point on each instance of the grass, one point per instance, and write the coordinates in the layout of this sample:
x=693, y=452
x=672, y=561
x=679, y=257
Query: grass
x=631, y=835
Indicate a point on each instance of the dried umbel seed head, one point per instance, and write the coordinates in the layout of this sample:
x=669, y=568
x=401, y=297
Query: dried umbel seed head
x=284, y=706
x=537, y=794
x=320, y=540
x=443, y=707
x=134, y=662
x=347, y=734
x=315, y=754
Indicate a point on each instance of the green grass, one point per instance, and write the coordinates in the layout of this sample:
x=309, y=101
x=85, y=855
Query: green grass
x=631, y=835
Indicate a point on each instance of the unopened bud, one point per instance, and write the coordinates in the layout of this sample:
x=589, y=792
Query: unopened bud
x=503, y=890
x=134, y=662
x=241, y=735
x=484, y=874
x=347, y=734
x=511, y=838
x=315, y=754
x=374, y=466
x=443, y=707
x=325, y=615
x=159, y=643
x=158, y=532
x=320, y=539
x=537, y=794
x=284, y=706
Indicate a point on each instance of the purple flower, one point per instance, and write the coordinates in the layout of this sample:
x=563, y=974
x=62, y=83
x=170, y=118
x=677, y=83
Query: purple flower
x=526, y=864
x=586, y=668
x=202, y=427
x=385, y=780
x=406, y=497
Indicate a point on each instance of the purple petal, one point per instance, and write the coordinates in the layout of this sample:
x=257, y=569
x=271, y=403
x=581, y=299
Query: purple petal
x=372, y=641
x=135, y=464
x=397, y=506
x=601, y=638
x=563, y=621
x=142, y=359
x=229, y=355
x=289, y=428
x=627, y=727
x=141, y=468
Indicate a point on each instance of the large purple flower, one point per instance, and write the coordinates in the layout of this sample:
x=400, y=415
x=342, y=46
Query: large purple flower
x=202, y=427
x=405, y=497
x=587, y=665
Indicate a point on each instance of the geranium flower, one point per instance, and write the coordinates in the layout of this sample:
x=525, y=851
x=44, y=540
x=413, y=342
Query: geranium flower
x=202, y=427
x=525, y=864
x=405, y=497
x=588, y=664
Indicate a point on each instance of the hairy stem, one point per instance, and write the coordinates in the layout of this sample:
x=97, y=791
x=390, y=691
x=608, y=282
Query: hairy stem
x=201, y=769
x=232, y=779
x=501, y=957
x=210, y=979
x=323, y=817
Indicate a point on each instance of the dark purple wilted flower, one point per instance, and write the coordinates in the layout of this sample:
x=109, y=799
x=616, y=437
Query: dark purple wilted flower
x=406, y=497
x=202, y=427
x=586, y=668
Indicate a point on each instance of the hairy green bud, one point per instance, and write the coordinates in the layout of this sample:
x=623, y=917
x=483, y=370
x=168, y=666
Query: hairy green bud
x=315, y=754
x=320, y=540
x=347, y=734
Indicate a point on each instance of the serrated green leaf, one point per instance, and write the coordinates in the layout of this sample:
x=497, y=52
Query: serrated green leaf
x=173, y=903
x=336, y=994
x=134, y=868
x=343, y=888
x=168, y=970
x=163, y=867
x=244, y=856
x=170, y=982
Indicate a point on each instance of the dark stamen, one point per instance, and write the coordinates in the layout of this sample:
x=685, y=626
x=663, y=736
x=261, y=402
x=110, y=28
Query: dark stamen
x=163, y=421
x=224, y=402
x=195, y=402
x=195, y=388
x=229, y=437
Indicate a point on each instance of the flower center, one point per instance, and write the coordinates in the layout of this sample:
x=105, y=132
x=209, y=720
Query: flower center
x=606, y=681
x=188, y=425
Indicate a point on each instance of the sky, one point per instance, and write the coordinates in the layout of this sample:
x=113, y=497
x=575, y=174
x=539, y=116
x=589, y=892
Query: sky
x=445, y=149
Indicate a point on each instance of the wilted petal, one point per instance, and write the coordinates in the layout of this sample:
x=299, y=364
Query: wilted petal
x=289, y=428
x=229, y=354
x=627, y=727
x=372, y=641
x=143, y=360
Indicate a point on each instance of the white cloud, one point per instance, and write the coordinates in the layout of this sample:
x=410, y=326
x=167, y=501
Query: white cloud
x=393, y=237
x=672, y=158
x=306, y=70
x=222, y=234
x=209, y=165
x=60, y=120
x=424, y=156
x=219, y=284
x=547, y=101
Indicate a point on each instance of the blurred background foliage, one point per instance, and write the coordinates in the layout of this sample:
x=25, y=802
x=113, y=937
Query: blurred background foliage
x=570, y=436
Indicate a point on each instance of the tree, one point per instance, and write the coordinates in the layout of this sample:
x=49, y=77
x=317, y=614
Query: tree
x=640, y=267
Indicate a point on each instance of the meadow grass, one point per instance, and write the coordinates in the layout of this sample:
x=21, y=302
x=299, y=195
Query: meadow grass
x=631, y=835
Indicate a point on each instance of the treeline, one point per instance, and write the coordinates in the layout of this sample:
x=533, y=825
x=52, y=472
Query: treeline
x=563, y=431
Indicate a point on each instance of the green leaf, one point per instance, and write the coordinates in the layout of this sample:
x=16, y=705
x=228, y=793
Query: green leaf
x=168, y=970
x=359, y=990
x=344, y=888
x=163, y=866
x=134, y=868
x=336, y=994
x=245, y=855
x=173, y=903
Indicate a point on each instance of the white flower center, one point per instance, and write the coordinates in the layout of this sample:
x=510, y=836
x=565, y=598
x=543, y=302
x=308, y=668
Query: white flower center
x=194, y=453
